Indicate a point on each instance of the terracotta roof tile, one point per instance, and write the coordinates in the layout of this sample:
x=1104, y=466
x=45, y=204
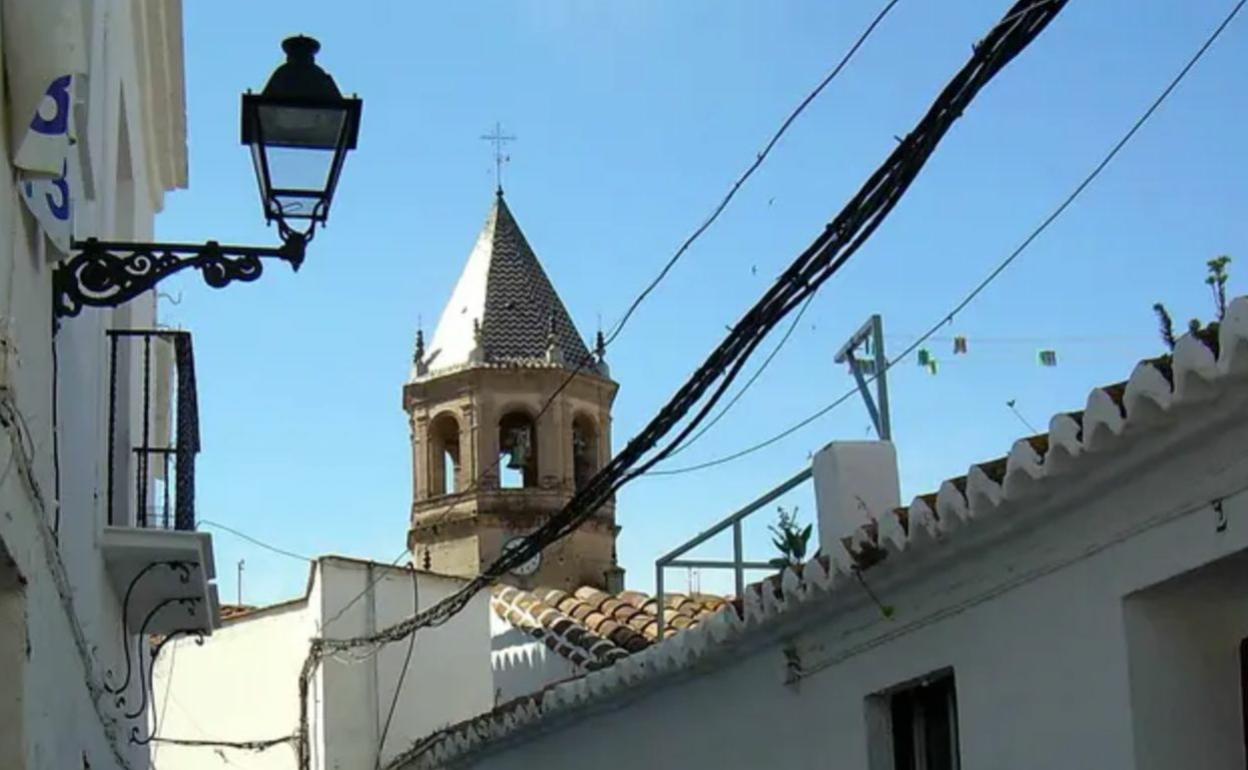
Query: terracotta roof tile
x=231, y=611
x=593, y=628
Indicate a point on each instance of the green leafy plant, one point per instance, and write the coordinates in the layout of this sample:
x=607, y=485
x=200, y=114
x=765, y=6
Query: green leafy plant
x=1216, y=281
x=790, y=538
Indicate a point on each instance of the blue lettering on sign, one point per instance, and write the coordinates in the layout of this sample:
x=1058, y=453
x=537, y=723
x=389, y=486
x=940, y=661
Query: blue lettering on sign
x=59, y=122
x=60, y=185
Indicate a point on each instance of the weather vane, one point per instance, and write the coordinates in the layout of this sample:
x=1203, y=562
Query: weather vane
x=499, y=140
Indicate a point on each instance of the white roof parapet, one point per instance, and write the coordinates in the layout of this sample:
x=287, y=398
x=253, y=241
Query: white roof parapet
x=1068, y=441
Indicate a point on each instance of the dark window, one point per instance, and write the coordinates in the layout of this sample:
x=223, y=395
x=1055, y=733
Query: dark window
x=1243, y=691
x=925, y=725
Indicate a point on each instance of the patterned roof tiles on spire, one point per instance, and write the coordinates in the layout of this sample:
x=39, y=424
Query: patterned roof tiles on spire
x=505, y=291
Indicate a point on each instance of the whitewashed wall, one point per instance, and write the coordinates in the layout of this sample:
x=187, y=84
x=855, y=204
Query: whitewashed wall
x=71, y=612
x=242, y=684
x=1073, y=640
x=448, y=679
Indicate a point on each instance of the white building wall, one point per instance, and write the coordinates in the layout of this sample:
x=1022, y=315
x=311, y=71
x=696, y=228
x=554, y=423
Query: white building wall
x=1183, y=641
x=1029, y=608
x=448, y=679
x=242, y=684
x=72, y=615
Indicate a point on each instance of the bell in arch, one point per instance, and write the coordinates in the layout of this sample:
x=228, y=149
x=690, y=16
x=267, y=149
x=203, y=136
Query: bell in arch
x=518, y=446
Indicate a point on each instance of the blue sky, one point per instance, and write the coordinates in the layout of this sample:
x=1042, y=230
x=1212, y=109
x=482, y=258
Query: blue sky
x=633, y=119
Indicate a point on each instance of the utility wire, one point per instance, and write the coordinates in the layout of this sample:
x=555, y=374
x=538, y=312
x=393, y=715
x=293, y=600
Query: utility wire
x=749, y=171
x=1013, y=407
x=257, y=746
x=380, y=575
x=996, y=272
x=398, y=685
x=797, y=319
x=839, y=240
x=723, y=204
x=684, y=247
x=255, y=541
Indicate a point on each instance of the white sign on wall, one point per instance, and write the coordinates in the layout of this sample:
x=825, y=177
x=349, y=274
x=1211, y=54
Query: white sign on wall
x=44, y=52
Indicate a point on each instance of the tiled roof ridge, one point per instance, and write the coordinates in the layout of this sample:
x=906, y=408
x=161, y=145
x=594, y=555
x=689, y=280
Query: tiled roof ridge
x=594, y=628
x=1156, y=385
x=558, y=631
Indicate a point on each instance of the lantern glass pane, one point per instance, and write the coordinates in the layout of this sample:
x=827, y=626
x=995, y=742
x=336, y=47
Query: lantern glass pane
x=299, y=169
x=316, y=127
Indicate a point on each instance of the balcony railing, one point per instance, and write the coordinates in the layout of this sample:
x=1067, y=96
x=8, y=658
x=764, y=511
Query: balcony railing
x=160, y=466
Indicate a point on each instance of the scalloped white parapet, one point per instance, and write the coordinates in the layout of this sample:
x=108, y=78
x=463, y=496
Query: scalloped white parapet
x=1148, y=401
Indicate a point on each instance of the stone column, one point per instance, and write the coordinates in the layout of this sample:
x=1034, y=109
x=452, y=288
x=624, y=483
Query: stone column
x=420, y=455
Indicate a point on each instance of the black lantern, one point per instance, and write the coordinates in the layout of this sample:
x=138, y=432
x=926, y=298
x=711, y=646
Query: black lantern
x=299, y=130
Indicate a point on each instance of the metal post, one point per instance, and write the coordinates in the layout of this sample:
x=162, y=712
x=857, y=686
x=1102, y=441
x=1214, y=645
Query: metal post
x=142, y=458
x=881, y=377
x=658, y=590
x=112, y=423
x=738, y=557
x=870, y=332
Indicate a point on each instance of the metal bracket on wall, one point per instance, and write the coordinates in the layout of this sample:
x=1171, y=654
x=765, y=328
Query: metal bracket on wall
x=111, y=273
x=141, y=639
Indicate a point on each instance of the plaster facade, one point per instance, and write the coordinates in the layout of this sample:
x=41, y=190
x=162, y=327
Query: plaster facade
x=1089, y=609
x=60, y=614
x=242, y=685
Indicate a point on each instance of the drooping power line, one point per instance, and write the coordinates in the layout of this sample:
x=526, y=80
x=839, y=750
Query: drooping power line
x=831, y=249
x=995, y=273
x=749, y=171
x=434, y=518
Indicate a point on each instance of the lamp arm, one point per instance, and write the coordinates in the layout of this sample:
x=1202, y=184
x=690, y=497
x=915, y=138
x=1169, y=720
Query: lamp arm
x=111, y=273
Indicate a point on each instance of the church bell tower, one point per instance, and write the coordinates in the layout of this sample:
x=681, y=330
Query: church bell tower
x=488, y=465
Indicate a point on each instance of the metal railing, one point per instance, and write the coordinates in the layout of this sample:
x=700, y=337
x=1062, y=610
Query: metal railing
x=164, y=498
x=738, y=564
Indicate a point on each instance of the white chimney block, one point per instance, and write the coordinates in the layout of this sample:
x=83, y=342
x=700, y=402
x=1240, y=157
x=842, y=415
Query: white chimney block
x=855, y=481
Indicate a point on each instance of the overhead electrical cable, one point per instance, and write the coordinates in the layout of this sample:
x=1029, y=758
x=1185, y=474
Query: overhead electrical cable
x=995, y=273
x=407, y=660
x=830, y=250
x=839, y=240
x=760, y=157
x=749, y=171
x=797, y=319
x=254, y=540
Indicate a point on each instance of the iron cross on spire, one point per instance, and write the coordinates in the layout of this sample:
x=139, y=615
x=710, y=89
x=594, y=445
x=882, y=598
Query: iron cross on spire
x=499, y=140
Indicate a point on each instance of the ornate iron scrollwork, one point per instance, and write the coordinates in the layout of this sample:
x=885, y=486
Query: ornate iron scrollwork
x=118, y=691
x=135, y=733
x=110, y=273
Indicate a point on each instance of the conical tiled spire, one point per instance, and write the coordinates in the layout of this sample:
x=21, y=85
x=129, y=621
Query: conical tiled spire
x=503, y=307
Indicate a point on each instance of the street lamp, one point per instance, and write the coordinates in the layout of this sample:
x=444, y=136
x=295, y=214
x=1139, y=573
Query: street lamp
x=299, y=129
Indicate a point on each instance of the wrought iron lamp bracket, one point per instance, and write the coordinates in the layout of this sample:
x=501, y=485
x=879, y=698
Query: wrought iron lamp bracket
x=111, y=273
